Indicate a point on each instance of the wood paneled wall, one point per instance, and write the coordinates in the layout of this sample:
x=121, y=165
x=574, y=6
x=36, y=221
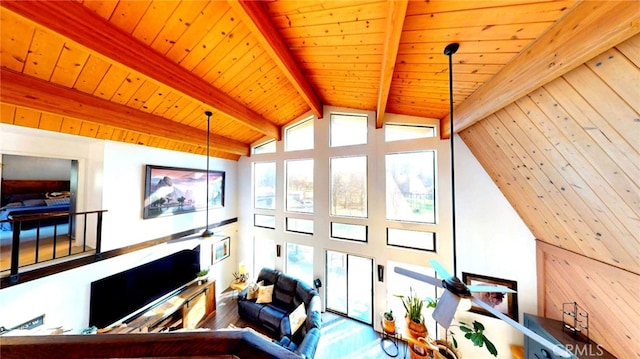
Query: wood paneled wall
x=567, y=157
x=610, y=296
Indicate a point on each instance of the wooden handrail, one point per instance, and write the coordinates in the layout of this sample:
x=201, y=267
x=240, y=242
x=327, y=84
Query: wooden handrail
x=46, y=215
x=242, y=343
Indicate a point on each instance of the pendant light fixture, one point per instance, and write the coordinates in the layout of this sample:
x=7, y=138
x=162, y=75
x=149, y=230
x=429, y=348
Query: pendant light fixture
x=207, y=232
x=449, y=50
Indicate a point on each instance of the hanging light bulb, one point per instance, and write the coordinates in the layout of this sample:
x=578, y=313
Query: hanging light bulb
x=465, y=304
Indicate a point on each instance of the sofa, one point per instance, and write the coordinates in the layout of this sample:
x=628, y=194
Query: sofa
x=288, y=294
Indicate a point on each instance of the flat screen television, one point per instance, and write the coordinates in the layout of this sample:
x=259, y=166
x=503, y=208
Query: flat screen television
x=117, y=296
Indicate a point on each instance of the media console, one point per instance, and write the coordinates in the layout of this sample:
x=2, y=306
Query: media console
x=184, y=310
x=120, y=296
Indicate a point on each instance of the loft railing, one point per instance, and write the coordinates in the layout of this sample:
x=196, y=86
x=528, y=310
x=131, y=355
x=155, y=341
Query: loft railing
x=225, y=343
x=85, y=242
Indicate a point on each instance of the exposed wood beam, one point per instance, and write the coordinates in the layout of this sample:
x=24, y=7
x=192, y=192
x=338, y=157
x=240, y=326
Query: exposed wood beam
x=26, y=91
x=395, y=21
x=255, y=16
x=78, y=23
x=589, y=29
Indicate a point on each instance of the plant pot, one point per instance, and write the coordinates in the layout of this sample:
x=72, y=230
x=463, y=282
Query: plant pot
x=446, y=350
x=416, y=330
x=389, y=326
x=421, y=351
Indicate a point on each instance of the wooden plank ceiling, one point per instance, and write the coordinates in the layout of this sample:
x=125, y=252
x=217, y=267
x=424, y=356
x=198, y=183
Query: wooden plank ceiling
x=567, y=157
x=146, y=71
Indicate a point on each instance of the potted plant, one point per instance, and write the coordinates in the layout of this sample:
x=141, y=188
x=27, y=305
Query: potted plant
x=473, y=332
x=389, y=322
x=240, y=277
x=202, y=276
x=415, y=321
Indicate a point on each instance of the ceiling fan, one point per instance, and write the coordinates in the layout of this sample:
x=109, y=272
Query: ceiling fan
x=455, y=289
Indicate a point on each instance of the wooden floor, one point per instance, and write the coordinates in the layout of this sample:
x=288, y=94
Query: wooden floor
x=340, y=337
x=28, y=246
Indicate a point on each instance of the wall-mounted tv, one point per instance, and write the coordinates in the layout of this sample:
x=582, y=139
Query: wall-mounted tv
x=116, y=296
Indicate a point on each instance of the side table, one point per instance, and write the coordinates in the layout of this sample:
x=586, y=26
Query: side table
x=238, y=286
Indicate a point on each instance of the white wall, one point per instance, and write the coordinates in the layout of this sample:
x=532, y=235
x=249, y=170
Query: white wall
x=492, y=241
x=111, y=177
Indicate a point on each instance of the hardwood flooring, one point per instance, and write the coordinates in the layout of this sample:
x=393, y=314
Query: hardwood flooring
x=341, y=337
x=44, y=249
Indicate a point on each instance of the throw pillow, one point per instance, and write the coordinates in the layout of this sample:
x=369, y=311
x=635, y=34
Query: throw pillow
x=265, y=293
x=297, y=317
x=252, y=292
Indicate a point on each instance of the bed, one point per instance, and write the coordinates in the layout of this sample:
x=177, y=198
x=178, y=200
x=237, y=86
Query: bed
x=27, y=197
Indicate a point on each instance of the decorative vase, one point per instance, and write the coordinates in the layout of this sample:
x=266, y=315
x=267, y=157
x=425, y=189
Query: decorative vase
x=389, y=326
x=415, y=329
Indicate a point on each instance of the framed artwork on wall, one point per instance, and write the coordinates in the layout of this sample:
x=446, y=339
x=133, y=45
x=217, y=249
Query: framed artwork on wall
x=220, y=250
x=171, y=190
x=506, y=303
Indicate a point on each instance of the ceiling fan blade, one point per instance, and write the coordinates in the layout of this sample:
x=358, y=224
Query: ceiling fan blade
x=442, y=272
x=555, y=349
x=446, y=309
x=419, y=276
x=490, y=289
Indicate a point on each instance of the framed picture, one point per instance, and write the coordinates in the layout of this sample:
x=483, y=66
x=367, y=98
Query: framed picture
x=506, y=303
x=171, y=190
x=220, y=250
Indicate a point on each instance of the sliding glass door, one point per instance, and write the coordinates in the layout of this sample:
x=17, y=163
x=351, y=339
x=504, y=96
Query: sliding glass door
x=350, y=285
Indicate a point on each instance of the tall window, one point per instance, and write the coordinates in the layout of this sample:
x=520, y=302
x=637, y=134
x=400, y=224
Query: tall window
x=300, y=262
x=400, y=284
x=299, y=186
x=349, y=284
x=410, y=189
x=299, y=136
x=264, y=254
x=348, y=130
x=349, y=186
x=264, y=182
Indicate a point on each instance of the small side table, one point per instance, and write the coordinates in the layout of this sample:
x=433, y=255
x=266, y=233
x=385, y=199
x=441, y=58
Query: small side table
x=238, y=286
x=393, y=338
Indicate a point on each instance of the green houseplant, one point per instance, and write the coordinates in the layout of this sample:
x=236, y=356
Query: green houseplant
x=473, y=332
x=202, y=275
x=415, y=321
x=389, y=322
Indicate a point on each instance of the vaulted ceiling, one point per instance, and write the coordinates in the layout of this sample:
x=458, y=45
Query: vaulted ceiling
x=146, y=71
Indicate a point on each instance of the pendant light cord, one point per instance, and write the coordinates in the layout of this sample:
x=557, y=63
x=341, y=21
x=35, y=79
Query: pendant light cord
x=449, y=51
x=207, y=232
